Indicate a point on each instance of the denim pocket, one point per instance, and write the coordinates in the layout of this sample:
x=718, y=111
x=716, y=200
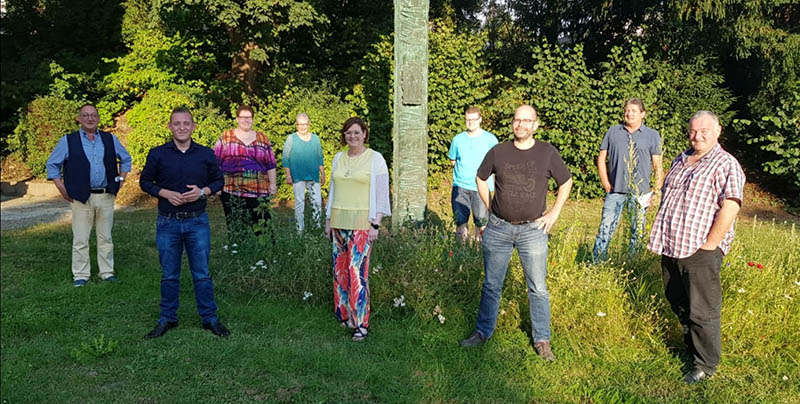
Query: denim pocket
x=161, y=221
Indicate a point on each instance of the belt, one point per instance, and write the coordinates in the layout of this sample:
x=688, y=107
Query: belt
x=514, y=222
x=98, y=190
x=182, y=215
x=520, y=222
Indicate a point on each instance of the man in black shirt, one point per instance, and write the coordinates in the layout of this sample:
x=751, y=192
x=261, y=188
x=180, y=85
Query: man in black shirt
x=518, y=219
x=182, y=174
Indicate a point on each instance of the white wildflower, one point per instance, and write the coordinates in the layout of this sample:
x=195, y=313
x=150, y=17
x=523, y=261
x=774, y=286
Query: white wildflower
x=234, y=245
x=503, y=311
x=234, y=252
x=290, y=253
x=306, y=295
x=252, y=268
x=260, y=263
x=399, y=301
x=601, y=314
x=633, y=337
x=441, y=318
x=741, y=290
x=785, y=377
x=225, y=246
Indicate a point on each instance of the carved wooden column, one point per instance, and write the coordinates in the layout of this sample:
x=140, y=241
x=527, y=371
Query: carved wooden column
x=410, y=131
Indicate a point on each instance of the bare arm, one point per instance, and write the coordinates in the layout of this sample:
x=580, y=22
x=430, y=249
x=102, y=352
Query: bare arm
x=725, y=217
x=273, y=184
x=483, y=192
x=321, y=176
x=658, y=169
x=288, y=173
x=550, y=217
x=602, y=170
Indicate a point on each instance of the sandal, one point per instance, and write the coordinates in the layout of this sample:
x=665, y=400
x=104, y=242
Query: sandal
x=360, y=334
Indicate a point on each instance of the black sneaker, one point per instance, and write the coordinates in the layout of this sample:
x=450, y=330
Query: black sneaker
x=474, y=340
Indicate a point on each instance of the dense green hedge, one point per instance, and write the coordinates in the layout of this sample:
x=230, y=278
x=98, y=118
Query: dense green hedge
x=45, y=121
x=576, y=103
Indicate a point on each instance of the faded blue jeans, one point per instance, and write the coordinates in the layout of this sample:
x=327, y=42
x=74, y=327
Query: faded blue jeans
x=499, y=240
x=172, y=236
x=613, y=205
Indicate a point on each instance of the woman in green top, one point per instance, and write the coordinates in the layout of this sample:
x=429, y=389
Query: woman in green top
x=358, y=199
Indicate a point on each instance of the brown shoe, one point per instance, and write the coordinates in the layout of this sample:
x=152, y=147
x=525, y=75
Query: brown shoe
x=543, y=349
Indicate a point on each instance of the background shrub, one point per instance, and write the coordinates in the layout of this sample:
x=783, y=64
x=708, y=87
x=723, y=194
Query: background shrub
x=45, y=121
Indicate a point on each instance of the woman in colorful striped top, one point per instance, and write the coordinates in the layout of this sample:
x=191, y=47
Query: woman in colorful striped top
x=248, y=164
x=357, y=201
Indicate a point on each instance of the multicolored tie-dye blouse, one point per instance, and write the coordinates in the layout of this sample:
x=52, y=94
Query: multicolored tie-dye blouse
x=245, y=166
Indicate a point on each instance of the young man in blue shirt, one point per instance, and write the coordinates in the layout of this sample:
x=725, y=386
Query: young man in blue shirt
x=182, y=174
x=467, y=151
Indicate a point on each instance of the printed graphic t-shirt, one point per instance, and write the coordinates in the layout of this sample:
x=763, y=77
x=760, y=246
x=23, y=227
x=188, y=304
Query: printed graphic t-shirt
x=521, y=178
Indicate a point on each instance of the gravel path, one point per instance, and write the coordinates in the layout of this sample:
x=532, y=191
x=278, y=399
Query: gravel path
x=21, y=212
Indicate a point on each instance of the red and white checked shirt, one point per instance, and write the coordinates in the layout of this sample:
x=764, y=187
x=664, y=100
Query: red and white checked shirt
x=692, y=196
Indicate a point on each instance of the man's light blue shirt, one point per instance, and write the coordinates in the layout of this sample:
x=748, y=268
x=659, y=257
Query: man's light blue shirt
x=94, y=151
x=468, y=153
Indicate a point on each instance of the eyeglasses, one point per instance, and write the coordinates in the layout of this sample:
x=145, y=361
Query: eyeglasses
x=523, y=121
x=245, y=117
x=473, y=120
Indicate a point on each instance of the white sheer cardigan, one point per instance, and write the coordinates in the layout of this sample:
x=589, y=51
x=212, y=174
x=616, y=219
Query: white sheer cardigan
x=378, y=187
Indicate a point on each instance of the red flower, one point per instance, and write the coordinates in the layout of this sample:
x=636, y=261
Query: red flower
x=451, y=253
x=764, y=337
x=759, y=266
x=751, y=263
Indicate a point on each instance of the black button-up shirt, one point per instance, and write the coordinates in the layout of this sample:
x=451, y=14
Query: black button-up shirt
x=169, y=168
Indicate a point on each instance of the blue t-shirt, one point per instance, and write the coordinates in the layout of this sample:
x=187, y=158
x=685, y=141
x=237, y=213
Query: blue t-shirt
x=468, y=153
x=303, y=158
x=617, y=141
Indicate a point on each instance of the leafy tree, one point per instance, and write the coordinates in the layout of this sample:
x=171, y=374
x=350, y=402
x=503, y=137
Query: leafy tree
x=252, y=32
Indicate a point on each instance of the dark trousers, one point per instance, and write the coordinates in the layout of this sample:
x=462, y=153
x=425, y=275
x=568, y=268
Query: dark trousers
x=694, y=292
x=240, y=211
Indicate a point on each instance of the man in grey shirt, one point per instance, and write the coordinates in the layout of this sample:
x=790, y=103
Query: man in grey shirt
x=626, y=155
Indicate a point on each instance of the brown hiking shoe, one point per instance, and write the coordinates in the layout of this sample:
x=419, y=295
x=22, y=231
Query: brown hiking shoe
x=543, y=349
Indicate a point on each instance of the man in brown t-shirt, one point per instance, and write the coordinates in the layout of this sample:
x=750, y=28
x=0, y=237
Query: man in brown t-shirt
x=522, y=169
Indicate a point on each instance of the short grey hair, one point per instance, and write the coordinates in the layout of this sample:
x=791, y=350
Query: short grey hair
x=702, y=113
x=302, y=115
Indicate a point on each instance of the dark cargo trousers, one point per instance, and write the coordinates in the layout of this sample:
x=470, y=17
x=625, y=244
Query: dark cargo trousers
x=692, y=287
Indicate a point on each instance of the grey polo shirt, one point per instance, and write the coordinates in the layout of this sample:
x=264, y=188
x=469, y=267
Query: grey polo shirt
x=621, y=145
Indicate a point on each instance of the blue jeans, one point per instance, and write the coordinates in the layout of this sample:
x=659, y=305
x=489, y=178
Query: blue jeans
x=464, y=201
x=172, y=236
x=498, y=241
x=612, y=210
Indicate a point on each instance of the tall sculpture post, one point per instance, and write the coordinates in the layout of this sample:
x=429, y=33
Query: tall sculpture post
x=410, y=131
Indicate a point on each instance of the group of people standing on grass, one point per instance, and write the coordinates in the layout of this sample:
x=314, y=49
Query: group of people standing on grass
x=503, y=185
x=693, y=229
x=89, y=166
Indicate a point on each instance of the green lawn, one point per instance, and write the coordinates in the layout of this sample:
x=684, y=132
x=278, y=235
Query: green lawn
x=615, y=339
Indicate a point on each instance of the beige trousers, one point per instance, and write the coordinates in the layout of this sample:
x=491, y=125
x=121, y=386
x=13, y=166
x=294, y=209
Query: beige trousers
x=98, y=212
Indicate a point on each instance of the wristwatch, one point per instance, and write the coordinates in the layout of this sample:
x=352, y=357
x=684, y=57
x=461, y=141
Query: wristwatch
x=203, y=194
x=375, y=226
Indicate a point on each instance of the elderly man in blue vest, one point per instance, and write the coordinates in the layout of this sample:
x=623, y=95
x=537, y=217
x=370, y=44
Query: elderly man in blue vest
x=88, y=167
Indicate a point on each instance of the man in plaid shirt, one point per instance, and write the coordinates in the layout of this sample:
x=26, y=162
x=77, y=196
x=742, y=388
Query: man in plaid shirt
x=692, y=232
